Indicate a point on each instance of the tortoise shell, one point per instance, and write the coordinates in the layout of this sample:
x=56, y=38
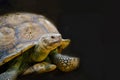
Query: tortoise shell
x=20, y=32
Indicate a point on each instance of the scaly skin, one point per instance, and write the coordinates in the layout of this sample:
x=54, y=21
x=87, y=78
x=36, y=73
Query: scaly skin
x=63, y=62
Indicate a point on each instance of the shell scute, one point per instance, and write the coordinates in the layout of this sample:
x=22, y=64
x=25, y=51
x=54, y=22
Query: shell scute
x=20, y=32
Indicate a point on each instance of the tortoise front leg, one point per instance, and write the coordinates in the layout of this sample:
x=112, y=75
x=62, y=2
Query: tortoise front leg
x=66, y=63
x=40, y=68
x=63, y=62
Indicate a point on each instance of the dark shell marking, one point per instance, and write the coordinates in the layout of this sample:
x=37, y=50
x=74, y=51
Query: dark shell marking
x=21, y=31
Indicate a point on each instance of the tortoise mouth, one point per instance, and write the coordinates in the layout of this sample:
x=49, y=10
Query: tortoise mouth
x=55, y=42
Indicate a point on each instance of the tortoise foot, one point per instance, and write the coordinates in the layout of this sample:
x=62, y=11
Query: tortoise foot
x=40, y=68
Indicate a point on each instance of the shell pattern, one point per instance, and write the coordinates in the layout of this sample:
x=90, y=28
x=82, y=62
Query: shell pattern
x=21, y=31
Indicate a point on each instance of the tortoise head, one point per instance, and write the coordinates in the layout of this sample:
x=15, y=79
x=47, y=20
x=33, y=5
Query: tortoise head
x=50, y=41
x=46, y=43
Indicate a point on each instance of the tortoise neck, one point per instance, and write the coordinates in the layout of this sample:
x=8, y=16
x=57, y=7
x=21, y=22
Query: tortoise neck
x=39, y=54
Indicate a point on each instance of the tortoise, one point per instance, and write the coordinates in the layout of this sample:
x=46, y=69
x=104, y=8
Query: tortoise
x=30, y=43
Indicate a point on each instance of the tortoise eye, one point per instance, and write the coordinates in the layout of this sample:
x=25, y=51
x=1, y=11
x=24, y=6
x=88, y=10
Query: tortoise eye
x=52, y=37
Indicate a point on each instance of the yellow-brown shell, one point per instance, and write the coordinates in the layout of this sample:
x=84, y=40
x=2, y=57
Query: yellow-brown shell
x=21, y=31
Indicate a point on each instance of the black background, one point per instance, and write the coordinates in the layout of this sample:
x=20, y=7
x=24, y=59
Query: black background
x=83, y=22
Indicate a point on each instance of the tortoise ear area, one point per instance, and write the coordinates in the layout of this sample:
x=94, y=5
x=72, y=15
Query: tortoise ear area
x=64, y=44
